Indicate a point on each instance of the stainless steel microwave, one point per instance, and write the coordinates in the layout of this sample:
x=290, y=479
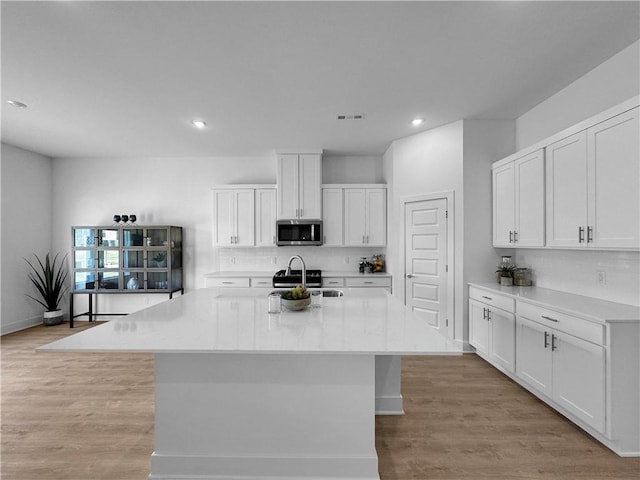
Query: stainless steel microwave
x=298, y=232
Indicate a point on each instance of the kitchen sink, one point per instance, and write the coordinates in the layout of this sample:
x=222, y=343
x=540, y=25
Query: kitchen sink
x=325, y=293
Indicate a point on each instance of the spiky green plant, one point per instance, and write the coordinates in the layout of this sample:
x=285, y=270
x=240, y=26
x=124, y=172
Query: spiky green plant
x=50, y=281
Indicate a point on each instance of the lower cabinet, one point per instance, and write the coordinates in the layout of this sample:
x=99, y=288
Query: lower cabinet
x=567, y=369
x=492, y=332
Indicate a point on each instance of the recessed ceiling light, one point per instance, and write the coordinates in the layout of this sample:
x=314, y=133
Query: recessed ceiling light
x=16, y=103
x=417, y=121
x=199, y=124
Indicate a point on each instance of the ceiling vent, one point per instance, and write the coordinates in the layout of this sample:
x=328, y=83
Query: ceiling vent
x=356, y=116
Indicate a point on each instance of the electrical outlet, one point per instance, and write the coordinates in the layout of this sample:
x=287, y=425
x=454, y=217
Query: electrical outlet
x=602, y=278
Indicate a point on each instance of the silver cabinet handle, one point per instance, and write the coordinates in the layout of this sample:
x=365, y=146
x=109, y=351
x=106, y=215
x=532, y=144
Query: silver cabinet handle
x=362, y=238
x=488, y=298
x=409, y=275
x=368, y=283
x=231, y=239
x=484, y=313
x=510, y=236
x=367, y=238
x=546, y=339
x=580, y=234
x=227, y=283
x=549, y=318
x=301, y=212
x=553, y=342
x=589, y=234
x=515, y=236
x=274, y=239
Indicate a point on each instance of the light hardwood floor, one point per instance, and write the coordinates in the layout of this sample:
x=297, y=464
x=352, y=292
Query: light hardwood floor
x=69, y=416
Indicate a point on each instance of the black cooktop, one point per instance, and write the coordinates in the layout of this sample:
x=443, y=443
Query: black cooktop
x=313, y=278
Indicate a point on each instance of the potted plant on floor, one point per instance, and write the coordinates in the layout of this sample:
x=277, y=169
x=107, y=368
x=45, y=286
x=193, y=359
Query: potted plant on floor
x=49, y=278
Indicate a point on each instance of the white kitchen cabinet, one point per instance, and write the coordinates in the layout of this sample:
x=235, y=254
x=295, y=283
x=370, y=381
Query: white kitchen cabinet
x=233, y=217
x=518, y=202
x=565, y=368
x=265, y=217
x=332, y=216
x=593, y=185
x=299, y=186
x=492, y=328
x=365, y=217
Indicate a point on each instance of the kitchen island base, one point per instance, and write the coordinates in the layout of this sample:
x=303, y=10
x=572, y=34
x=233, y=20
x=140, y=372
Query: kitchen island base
x=257, y=416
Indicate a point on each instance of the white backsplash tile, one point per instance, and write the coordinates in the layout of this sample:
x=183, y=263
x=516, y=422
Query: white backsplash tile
x=576, y=271
x=339, y=259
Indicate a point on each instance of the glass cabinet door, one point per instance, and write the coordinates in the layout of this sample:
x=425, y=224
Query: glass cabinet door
x=157, y=259
x=157, y=237
x=84, y=281
x=132, y=237
x=157, y=281
x=84, y=259
x=133, y=280
x=108, y=258
x=108, y=237
x=108, y=280
x=133, y=259
x=84, y=237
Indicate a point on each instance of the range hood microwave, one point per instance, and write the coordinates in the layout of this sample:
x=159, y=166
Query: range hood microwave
x=298, y=232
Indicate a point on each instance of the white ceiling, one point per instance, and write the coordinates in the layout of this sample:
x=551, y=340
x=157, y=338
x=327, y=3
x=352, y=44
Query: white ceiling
x=125, y=78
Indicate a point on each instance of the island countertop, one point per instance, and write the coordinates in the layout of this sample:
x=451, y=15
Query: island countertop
x=230, y=320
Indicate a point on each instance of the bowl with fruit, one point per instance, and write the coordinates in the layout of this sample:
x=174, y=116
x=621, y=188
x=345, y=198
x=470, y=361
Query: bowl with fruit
x=298, y=298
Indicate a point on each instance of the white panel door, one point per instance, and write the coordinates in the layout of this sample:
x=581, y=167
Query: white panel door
x=265, y=217
x=502, y=343
x=529, y=200
x=578, y=378
x=614, y=189
x=332, y=216
x=310, y=192
x=354, y=216
x=288, y=186
x=376, y=229
x=478, y=326
x=503, y=205
x=223, y=213
x=244, y=218
x=533, y=355
x=566, y=173
x=426, y=260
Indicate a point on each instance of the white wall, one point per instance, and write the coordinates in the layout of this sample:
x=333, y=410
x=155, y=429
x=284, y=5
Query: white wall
x=610, y=83
x=26, y=229
x=352, y=169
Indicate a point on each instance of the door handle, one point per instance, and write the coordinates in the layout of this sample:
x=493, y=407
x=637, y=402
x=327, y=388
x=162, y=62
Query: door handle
x=510, y=236
x=580, y=234
x=553, y=342
x=515, y=236
x=589, y=234
x=546, y=339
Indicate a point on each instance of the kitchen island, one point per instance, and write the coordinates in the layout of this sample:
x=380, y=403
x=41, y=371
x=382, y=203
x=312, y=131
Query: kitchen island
x=243, y=394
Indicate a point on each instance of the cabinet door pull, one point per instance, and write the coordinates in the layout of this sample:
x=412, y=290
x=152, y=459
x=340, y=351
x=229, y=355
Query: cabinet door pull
x=550, y=319
x=580, y=234
x=362, y=238
x=484, y=313
x=546, y=339
x=489, y=314
x=368, y=283
x=488, y=298
x=553, y=342
x=589, y=234
x=227, y=283
x=510, y=236
x=515, y=236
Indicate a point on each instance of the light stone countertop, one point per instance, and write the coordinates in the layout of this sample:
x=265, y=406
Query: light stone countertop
x=269, y=274
x=601, y=311
x=235, y=320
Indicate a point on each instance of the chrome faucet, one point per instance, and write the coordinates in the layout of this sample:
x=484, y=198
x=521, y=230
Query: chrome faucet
x=304, y=269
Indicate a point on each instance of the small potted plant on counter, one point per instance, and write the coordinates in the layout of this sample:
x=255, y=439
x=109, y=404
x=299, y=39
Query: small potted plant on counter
x=506, y=274
x=49, y=278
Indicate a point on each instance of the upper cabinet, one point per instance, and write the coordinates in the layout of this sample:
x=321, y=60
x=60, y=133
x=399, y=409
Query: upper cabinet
x=332, y=216
x=593, y=197
x=365, y=217
x=578, y=189
x=299, y=186
x=518, y=202
x=244, y=216
x=233, y=217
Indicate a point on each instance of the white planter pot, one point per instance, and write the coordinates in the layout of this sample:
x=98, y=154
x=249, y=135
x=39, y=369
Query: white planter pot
x=54, y=317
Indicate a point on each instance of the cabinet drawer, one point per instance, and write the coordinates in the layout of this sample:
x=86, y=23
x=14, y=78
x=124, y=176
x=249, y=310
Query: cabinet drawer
x=384, y=282
x=332, y=281
x=492, y=299
x=261, y=282
x=228, y=282
x=576, y=326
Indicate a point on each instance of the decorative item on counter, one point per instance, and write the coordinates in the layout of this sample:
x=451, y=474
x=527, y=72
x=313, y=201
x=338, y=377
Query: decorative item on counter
x=377, y=263
x=522, y=277
x=364, y=265
x=505, y=271
x=298, y=298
